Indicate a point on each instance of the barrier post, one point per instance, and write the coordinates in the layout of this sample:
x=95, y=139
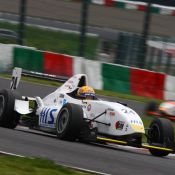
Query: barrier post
x=144, y=38
x=84, y=17
x=22, y=15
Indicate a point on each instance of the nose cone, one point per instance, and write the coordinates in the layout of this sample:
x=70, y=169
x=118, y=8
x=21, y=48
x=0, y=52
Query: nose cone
x=138, y=127
x=134, y=121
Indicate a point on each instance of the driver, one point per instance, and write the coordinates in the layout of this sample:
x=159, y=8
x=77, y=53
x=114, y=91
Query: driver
x=86, y=92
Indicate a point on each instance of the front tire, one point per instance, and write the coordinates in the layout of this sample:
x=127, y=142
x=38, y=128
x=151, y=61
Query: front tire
x=69, y=122
x=162, y=134
x=8, y=117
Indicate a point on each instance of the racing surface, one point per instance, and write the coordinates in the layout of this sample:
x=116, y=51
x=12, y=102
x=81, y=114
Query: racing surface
x=105, y=17
x=104, y=33
x=106, y=159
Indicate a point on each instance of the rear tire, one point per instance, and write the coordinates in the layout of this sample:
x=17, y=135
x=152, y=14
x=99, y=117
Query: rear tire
x=69, y=122
x=162, y=134
x=8, y=117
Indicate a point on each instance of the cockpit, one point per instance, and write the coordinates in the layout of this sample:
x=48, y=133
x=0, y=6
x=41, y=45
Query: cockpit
x=87, y=92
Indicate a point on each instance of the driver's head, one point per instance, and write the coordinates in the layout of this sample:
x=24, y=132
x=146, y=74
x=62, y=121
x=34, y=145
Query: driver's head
x=86, y=92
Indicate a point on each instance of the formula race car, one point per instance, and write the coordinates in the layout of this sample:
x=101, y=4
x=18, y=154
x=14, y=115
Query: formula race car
x=73, y=117
x=165, y=109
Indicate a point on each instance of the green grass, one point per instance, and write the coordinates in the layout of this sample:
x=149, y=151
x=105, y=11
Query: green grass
x=11, y=165
x=56, y=41
x=7, y=41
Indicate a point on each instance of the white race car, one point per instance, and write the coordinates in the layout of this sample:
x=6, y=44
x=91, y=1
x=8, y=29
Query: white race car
x=64, y=114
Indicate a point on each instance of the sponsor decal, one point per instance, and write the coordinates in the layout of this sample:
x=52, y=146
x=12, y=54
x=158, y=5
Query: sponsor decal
x=132, y=112
x=124, y=110
x=126, y=128
x=137, y=125
x=92, y=115
x=128, y=111
x=64, y=101
x=138, y=128
x=136, y=122
x=110, y=109
x=61, y=96
x=47, y=116
x=70, y=87
x=83, y=106
x=70, y=81
x=89, y=107
x=112, y=113
x=119, y=125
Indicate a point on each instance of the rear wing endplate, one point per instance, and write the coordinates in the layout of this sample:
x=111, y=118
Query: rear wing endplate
x=16, y=76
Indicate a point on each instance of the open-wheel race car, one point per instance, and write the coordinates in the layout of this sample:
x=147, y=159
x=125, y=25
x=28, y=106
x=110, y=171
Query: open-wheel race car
x=73, y=117
x=165, y=109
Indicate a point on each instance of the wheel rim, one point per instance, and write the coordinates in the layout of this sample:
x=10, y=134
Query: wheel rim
x=62, y=121
x=155, y=133
x=2, y=104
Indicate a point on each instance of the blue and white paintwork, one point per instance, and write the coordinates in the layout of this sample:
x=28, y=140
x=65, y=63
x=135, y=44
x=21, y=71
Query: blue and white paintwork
x=119, y=119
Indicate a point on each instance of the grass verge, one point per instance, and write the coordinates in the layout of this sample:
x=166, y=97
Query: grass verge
x=12, y=165
x=56, y=41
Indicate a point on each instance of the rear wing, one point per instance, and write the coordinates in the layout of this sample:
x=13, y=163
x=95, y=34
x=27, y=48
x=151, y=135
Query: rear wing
x=16, y=76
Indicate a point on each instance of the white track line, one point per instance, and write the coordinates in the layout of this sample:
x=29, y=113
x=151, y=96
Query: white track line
x=84, y=170
x=11, y=154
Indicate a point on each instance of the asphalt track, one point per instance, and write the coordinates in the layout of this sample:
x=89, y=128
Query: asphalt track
x=103, y=33
x=108, y=160
x=105, y=17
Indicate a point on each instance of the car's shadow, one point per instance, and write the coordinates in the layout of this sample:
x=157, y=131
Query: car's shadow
x=116, y=147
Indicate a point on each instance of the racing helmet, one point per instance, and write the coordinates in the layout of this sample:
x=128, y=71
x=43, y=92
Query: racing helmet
x=86, y=92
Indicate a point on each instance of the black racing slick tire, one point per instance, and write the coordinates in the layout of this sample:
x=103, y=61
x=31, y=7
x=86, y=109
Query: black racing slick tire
x=161, y=133
x=8, y=117
x=69, y=122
